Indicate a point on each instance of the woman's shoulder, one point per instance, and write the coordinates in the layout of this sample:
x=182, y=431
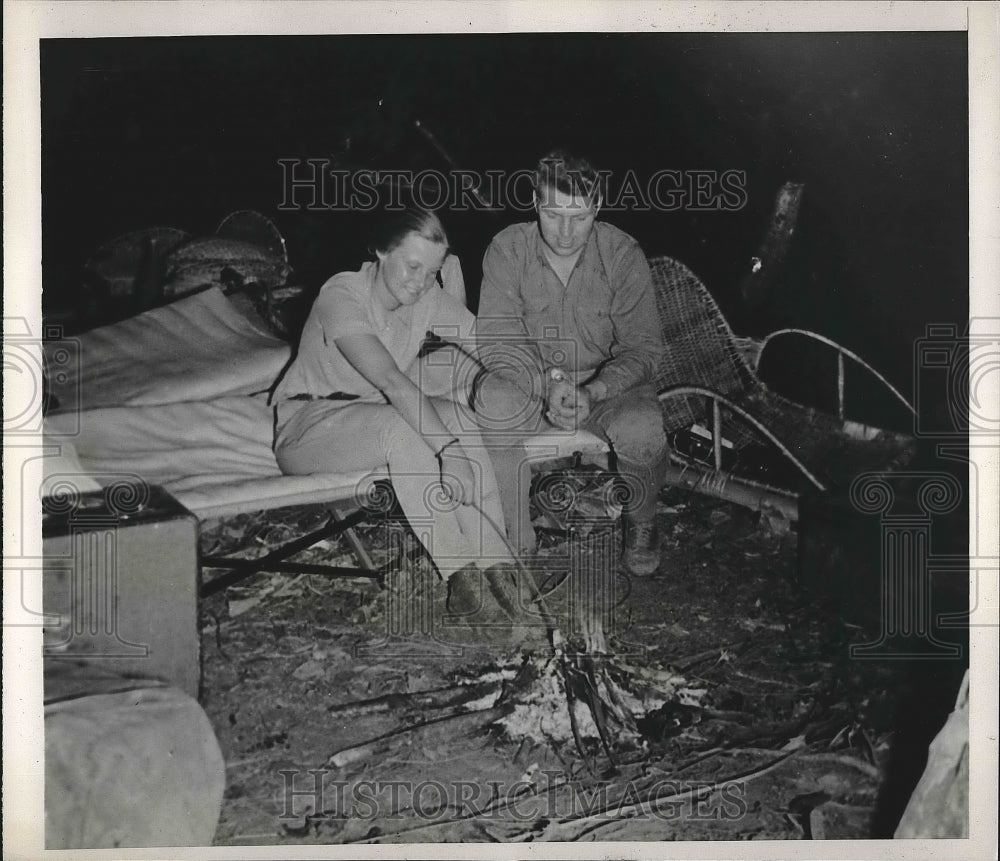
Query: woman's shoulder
x=345, y=287
x=350, y=282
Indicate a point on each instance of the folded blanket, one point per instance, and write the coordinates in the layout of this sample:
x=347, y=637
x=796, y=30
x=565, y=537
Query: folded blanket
x=214, y=456
x=196, y=348
x=139, y=767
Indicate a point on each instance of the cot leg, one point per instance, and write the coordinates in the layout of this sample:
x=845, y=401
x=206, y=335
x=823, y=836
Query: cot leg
x=354, y=542
x=241, y=569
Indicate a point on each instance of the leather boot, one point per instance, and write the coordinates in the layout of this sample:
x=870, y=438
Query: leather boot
x=516, y=593
x=473, y=612
x=641, y=555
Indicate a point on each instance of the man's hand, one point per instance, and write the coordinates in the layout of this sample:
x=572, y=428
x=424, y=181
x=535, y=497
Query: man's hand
x=568, y=405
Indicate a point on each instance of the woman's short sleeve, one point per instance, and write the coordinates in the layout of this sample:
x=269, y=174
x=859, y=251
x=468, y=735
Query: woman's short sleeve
x=343, y=311
x=452, y=320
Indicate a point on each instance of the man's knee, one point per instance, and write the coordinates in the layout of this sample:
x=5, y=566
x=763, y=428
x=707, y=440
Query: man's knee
x=636, y=431
x=502, y=406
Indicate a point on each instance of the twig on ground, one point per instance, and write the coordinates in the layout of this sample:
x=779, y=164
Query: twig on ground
x=218, y=635
x=553, y=832
x=433, y=699
x=707, y=655
x=489, y=810
x=765, y=681
x=706, y=755
x=860, y=764
x=366, y=749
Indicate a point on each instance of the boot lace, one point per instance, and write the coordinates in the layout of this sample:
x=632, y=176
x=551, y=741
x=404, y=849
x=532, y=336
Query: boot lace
x=642, y=534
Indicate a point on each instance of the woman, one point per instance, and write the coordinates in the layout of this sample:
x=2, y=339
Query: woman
x=355, y=399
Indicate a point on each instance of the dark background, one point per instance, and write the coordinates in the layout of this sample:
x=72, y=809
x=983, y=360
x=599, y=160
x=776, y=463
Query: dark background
x=181, y=131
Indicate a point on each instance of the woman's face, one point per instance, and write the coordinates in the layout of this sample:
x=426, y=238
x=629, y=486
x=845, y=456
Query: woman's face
x=411, y=268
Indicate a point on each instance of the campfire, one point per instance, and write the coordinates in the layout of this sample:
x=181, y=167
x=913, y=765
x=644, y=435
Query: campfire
x=582, y=688
x=618, y=719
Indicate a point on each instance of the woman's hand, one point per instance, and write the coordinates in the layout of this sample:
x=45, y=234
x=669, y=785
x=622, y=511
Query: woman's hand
x=456, y=475
x=452, y=279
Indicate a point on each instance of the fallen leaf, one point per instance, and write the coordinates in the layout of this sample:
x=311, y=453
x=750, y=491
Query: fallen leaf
x=796, y=743
x=239, y=606
x=833, y=821
x=309, y=670
x=691, y=696
x=774, y=523
x=292, y=588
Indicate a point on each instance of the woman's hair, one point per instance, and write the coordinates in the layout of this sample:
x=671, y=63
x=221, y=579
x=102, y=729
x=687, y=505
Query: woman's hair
x=396, y=223
x=570, y=174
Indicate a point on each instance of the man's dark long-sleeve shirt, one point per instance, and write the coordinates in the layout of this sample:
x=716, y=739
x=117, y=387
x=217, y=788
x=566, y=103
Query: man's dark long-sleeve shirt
x=602, y=324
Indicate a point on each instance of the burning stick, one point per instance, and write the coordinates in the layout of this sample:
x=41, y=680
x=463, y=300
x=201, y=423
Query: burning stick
x=578, y=691
x=581, y=679
x=430, y=700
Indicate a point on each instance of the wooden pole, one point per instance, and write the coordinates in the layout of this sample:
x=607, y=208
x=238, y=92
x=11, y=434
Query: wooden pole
x=759, y=280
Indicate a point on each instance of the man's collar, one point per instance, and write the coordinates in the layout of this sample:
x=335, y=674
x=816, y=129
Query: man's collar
x=536, y=234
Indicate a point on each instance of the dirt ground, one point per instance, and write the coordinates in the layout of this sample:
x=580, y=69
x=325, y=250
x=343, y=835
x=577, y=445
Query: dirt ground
x=334, y=732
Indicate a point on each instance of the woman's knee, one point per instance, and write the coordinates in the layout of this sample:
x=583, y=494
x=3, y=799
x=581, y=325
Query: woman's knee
x=397, y=436
x=457, y=417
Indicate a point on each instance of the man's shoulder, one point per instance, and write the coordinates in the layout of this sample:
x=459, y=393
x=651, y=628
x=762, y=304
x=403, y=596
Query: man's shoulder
x=614, y=238
x=515, y=238
x=620, y=251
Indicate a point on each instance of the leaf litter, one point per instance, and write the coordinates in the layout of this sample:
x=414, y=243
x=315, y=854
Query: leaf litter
x=738, y=699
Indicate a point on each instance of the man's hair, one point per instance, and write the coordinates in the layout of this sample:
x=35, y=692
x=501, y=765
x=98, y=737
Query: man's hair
x=570, y=174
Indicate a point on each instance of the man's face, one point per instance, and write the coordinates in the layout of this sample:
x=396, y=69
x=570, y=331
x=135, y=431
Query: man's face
x=565, y=220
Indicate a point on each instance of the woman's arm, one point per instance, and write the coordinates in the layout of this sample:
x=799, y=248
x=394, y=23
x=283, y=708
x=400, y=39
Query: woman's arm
x=370, y=358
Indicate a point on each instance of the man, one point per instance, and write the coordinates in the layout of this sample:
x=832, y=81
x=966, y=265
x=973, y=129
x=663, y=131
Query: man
x=568, y=330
